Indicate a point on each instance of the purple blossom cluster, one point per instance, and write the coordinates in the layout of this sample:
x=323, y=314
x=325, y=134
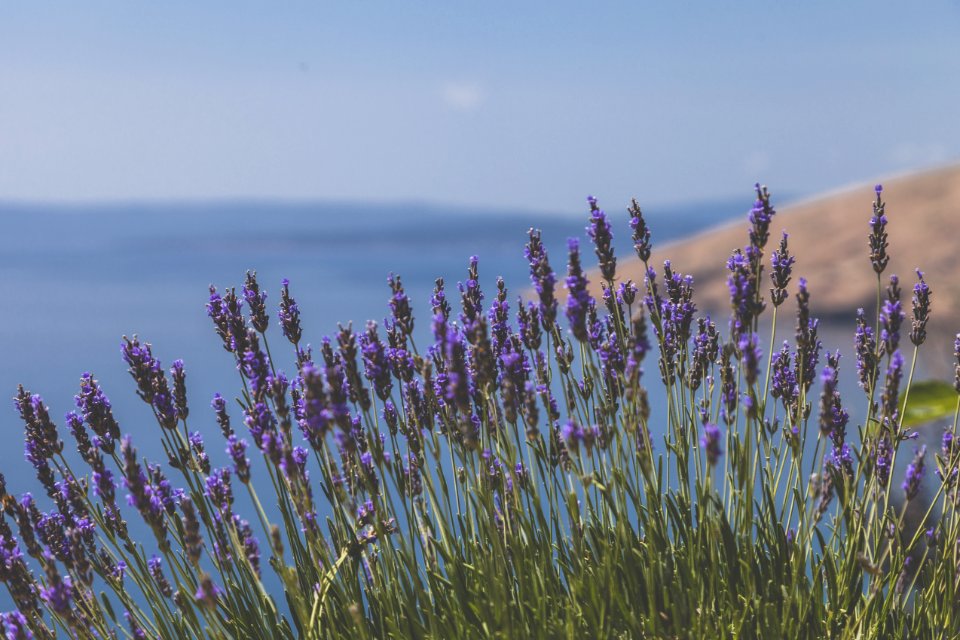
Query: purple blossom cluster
x=499, y=415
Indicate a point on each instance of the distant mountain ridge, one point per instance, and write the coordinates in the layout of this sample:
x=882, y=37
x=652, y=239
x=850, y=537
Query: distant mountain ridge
x=828, y=236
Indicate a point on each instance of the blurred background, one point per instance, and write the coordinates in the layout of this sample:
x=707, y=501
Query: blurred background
x=148, y=150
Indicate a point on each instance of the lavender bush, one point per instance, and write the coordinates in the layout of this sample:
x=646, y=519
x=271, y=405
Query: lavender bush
x=509, y=479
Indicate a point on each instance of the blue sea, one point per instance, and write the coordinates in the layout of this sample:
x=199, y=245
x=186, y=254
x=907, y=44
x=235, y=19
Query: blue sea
x=74, y=279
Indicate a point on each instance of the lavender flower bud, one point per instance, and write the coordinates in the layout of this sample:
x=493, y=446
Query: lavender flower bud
x=783, y=380
x=499, y=316
x=828, y=380
x=808, y=346
x=728, y=386
x=227, y=315
x=915, y=471
x=251, y=548
x=750, y=355
x=891, y=317
x=528, y=324
x=400, y=306
x=237, y=449
x=760, y=217
x=710, y=441
x=948, y=470
x=579, y=300
x=156, y=572
x=641, y=233
x=438, y=301
x=890, y=397
x=347, y=350
x=375, y=365
x=866, y=346
x=572, y=435
x=179, y=389
x=841, y=459
x=96, y=411
x=781, y=263
x=199, y=452
x=58, y=594
x=84, y=445
x=136, y=631
x=627, y=293
x=15, y=626
x=471, y=297
x=413, y=482
x=878, y=234
x=289, y=315
x=192, y=542
x=256, y=302
x=223, y=419
x=254, y=366
x=883, y=459
x=142, y=495
x=218, y=489
x=599, y=231
x=921, y=310
x=543, y=279
x=743, y=289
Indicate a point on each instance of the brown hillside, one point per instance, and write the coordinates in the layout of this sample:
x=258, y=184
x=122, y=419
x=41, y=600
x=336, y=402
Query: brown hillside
x=828, y=235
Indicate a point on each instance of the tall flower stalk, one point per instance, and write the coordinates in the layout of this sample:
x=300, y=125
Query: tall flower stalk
x=511, y=478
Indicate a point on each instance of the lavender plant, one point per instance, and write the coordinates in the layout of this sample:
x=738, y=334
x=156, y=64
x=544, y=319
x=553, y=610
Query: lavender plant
x=509, y=480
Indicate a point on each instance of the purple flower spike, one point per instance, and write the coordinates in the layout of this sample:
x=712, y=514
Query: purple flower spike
x=782, y=266
x=400, y=305
x=921, y=310
x=760, y=218
x=156, y=572
x=58, y=594
x=890, y=397
x=207, y=593
x=179, y=389
x=95, y=409
x=891, y=317
x=41, y=439
x=599, y=231
x=742, y=284
x=883, y=458
x=915, y=471
x=878, y=234
x=710, y=441
x=15, y=626
x=375, y=365
x=227, y=314
x=579, y=299
x=641, y=232
x=865, y=345
x=750, y=355
x=256, y=302
x=237, y=449
x=543, y=278
x=289, y=315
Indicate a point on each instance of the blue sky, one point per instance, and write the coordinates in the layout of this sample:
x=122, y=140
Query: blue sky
x=520, y=105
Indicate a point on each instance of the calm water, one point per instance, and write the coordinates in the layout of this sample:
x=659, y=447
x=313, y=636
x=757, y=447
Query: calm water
x=74, y=279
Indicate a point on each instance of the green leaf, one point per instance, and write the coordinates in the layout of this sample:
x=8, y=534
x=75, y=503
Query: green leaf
x=929, y=400
x=108, y=607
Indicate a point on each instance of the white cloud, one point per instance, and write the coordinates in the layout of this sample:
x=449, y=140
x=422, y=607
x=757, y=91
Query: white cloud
x=756, y=164
x=462, y=96
x=916, y=154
